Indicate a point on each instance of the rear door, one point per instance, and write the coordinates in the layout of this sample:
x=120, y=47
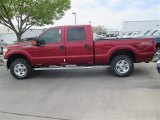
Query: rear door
x=79, y=46
x=53, y=52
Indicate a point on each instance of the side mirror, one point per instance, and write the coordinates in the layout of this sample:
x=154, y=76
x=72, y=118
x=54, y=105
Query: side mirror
x=42, y=42
x=34, y=43
x=37, y=42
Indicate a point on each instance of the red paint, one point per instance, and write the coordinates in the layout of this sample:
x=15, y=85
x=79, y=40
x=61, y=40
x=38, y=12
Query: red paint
x=96, y=53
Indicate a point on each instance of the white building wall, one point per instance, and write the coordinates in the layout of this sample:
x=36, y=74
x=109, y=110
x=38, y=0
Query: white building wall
x=4, y=30
x=137, y=26
x=9, y=36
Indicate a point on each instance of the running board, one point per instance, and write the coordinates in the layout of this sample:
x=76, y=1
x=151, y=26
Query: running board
x=62, y=68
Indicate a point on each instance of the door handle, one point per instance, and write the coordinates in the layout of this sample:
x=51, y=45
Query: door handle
x=86, y=46
x=61, y=47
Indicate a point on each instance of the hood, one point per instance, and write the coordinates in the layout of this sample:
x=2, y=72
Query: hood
x=19, y=45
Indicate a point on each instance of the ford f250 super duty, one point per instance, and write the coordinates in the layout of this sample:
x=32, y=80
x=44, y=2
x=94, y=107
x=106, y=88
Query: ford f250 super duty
x=74, y=45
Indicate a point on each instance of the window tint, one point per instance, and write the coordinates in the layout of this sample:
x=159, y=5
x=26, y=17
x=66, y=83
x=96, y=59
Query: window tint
x=51, y=36
x=76, y=34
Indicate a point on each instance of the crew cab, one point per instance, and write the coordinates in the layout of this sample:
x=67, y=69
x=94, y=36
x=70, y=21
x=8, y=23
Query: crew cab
x=65, y=46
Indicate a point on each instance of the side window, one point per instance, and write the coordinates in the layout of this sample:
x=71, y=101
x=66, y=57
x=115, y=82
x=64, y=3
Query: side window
x=76, y=34
x=50, y=36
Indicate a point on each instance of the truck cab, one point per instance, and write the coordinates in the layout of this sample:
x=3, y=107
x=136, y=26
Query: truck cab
x=64, y=45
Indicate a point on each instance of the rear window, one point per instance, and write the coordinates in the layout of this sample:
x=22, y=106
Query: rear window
x=76, y=34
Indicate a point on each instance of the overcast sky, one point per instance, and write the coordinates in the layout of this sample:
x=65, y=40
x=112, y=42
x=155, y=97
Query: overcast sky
x=111, y=13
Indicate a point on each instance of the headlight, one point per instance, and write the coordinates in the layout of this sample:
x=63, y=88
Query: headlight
x=4, y=51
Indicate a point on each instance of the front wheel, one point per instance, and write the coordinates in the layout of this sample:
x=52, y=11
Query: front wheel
x=20, y=69
x=1, y=50
x=122, y=66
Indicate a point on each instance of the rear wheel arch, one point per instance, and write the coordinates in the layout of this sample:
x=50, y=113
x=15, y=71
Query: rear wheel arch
x=128, y=53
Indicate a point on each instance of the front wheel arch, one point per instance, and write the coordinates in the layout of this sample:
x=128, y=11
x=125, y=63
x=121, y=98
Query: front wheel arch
x=14, y=57
x=128, y=53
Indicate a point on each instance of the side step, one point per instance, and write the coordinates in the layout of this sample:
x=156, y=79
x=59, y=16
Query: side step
x=62, y=68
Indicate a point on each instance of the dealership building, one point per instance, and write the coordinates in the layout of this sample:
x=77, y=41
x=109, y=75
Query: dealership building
x=8, y=35
x=138, y=26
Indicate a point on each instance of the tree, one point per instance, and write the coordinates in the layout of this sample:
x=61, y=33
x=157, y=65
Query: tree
x=100, y=30
x=28, y=13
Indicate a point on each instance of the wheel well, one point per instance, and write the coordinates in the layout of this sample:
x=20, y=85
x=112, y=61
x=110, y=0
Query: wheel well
x=14, y=57
x=123, y=52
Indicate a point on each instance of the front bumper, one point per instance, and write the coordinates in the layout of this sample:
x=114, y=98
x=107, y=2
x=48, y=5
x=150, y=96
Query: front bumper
x=5, y=62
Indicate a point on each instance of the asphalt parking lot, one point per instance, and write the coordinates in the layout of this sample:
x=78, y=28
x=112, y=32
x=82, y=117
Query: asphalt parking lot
x=83, y=94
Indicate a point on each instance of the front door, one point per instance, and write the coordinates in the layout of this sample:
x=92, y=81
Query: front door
x=53, y=52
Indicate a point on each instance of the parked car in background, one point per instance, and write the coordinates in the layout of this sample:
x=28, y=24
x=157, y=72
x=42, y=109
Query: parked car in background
x=127, y=35
x=158, y=61
x=156, y=33
x=97, y=37
x=2, y=44
x=134, y=34
x=153, y=32
x=1, y=49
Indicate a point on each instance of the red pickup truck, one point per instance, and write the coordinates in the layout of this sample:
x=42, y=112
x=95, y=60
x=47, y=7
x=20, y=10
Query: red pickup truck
x=74, y=45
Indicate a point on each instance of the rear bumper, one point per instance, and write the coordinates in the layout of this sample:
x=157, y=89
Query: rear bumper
x=145, y=57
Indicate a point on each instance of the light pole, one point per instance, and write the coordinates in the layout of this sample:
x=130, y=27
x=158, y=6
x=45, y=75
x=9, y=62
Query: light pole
x=74, y=13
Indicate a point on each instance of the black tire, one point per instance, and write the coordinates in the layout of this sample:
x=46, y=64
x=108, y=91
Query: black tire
x=117, y=67
x=25, y=69
x=1, y=50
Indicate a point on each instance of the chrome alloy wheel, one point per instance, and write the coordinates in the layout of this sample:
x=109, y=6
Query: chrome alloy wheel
x=122, y=66
x=20, y=70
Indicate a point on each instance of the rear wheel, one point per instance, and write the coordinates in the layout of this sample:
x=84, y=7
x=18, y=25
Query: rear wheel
x=122, y=66
x=20, y=69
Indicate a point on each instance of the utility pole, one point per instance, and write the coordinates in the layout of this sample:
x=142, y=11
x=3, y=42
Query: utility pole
x=74, y=13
